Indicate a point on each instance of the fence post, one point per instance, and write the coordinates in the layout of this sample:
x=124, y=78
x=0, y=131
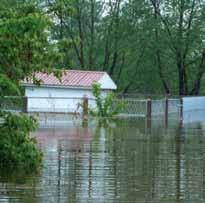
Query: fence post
x=149, y=112
x=85, y=106
x=25, y=104
x=181, y=109
x=166, y=111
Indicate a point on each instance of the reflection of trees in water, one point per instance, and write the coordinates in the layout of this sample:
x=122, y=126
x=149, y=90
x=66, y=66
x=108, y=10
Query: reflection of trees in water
x=121, y=162
x=17, y=184
x=135, y=155
x=159, y=164
x=182, y=162
x=129, y=158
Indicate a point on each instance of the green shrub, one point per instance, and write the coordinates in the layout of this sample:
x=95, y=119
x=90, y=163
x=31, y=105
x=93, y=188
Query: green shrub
x=105, y=105
x=17, y=149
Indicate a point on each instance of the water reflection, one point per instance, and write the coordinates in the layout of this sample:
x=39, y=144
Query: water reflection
x=115, y=161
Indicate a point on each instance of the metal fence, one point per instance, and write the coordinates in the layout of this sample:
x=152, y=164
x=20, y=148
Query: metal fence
x=131, y=107
x=13, y=103
x=147, y=107
x=163, y=106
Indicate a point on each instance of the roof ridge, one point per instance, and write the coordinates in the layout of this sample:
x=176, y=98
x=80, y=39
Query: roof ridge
x=92, y=71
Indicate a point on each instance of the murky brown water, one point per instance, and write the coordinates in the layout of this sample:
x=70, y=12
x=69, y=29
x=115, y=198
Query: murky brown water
x=119, y=161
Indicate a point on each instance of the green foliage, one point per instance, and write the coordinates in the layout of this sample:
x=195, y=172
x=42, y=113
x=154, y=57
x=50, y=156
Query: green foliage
x=17, y=149
x=7, y=87
x=105, y=105
x=25, y=46
x=144, y=45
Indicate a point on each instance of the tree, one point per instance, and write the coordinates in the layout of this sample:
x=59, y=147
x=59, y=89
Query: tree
x=25, y=46
x=24, y=49
x=182, y=23
x=149, y=46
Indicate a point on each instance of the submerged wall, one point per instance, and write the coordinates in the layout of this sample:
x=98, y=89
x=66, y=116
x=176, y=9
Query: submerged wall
x=193, y=109
x=51, y=99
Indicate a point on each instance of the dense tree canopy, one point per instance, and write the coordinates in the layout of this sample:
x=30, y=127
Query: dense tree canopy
x=147, y=46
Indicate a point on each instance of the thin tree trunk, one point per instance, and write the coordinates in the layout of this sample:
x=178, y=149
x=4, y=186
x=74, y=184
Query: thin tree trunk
x=116, y=38
x=135, y=73
x=91, y=62
x=180, y=62
x=158, y=54
x=121, y=66
x=197, y=84
x=81, y=35
x=181, y=76
x=165, y=86
x=107, y=50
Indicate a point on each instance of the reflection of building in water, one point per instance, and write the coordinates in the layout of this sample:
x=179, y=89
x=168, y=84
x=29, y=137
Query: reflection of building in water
x=65, y=156
x=123, y=163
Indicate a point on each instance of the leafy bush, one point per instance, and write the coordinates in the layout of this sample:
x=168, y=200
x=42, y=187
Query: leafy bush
x=7, y=87
x=105, y=105
x=17, y=149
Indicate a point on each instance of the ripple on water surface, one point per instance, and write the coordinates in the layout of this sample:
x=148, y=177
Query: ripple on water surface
x=119, y=161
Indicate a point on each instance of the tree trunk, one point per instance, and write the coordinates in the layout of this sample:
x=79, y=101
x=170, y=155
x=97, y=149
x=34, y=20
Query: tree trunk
x=180, y=62
x=81, y=35
x=157, y=52
x=197, y=84
x=91, y=59
x=181, y=77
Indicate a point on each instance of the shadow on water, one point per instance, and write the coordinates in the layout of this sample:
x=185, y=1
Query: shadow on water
x=119, y=160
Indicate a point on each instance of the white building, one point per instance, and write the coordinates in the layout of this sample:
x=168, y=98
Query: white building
x=64, y=95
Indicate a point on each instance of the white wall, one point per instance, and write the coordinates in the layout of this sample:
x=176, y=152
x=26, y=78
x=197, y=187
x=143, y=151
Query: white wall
x=107, y=83
x=51, y=99
x=193, y=109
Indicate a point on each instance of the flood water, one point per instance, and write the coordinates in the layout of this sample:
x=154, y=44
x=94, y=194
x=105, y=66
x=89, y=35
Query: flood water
x=114, y=161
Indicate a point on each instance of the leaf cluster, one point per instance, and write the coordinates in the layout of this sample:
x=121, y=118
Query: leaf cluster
x=17, y=149
x=105, y=104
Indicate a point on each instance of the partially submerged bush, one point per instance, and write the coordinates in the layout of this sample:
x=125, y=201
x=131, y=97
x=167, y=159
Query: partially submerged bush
x=17, y=149
x=105, y=104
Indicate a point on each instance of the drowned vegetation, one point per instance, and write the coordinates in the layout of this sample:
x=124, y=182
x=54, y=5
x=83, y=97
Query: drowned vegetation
x=105, y=106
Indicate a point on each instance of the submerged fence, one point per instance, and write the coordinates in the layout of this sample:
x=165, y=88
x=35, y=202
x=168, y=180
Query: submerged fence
x=185, y=110
x=130, y=107
x=13, y=104
x=149, y=108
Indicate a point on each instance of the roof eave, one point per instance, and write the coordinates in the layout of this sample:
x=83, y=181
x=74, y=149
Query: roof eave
x=62, y=86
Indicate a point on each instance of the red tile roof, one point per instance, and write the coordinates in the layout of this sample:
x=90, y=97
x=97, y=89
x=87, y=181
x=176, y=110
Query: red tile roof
x=69, y=78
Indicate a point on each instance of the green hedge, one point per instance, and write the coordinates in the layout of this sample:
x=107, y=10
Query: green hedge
x=17, y=149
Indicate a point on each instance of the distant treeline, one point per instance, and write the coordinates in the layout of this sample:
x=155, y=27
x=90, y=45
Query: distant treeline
x=147, y=46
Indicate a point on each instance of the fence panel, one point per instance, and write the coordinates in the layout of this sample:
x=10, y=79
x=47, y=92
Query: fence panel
x=174, y=106
x=158, y=107
x=13, y=103
x=133, y=107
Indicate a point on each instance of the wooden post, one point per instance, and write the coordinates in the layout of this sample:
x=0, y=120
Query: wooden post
x=85, y=106
x=149, y=112
x=181, y=110
x=25, y=104
x=166, y=111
